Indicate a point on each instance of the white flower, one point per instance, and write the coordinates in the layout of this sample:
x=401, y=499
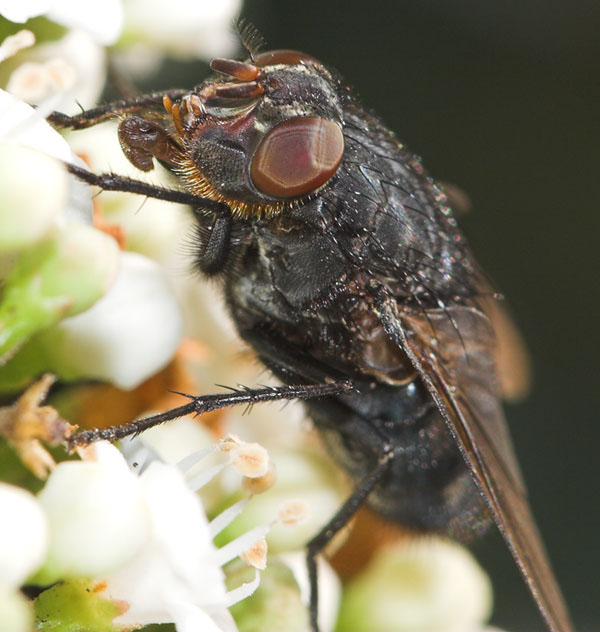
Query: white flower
x=176, y=577
x=69, y=72
x=104, y=20
x=23, y=535
x=127, y=336
x=145, y=538
x=22, y=125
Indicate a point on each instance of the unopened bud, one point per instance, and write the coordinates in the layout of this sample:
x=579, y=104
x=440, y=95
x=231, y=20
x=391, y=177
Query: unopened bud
x=28, y=212
x=58, y=278
x=12, y=44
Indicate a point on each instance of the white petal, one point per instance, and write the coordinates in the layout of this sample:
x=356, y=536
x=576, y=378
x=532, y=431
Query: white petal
x=87, y=60
x=177, y=565
x=22, y=10
x=104, y=20
x=127, y=336
x=79, y=206
x=189, y=618
x=12, y=44
x=23, y=535
x=21, y=124
x=98, y=519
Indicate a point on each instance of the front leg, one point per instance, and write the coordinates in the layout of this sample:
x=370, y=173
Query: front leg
x=108, y=111
x=114, y=182
x=214, y=254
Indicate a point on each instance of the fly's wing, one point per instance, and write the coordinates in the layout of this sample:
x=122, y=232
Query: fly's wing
x=510, y=353
x=452, y=350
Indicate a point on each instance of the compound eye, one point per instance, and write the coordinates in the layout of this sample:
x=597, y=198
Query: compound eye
x=297, y=157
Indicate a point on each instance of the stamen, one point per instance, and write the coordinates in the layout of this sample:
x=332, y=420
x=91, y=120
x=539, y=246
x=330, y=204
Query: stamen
x=235, y=548
x=195, y=457
x=293, y=513
x=33, y=81
x=256, y=555
x=250, y=459
x=260, y=484
x=200, y=480
x=241, y=592
x=225, y=518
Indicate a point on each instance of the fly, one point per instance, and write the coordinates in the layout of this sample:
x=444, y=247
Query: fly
x=344, y=269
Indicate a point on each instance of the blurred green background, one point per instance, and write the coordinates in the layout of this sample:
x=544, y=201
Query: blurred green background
x=502, y=99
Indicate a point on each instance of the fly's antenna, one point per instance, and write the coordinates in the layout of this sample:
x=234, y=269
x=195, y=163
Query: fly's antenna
x=250, y=37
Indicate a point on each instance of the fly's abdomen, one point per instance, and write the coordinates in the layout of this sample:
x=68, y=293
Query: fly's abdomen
x=428, y=487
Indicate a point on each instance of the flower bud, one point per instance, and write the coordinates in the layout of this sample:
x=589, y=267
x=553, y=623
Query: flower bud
x=128, y=336
x=97, y=516
x=15, y=612
x=418, y=584
x=58, y=278
x=23, y=535
x=28, y=211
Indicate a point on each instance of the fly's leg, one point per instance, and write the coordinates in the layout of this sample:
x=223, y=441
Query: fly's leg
x=213, y=257
x=346, y=511
x=114, y=182
x=206, y=403
x=116, y=109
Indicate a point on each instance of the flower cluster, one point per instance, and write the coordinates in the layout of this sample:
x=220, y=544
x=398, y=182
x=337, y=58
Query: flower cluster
x=172, y=527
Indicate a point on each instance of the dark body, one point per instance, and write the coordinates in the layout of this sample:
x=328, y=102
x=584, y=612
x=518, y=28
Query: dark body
x=305, y=295
x=344, y=269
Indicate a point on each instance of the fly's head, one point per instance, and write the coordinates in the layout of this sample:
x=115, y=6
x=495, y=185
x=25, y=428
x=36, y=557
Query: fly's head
x=260, y=135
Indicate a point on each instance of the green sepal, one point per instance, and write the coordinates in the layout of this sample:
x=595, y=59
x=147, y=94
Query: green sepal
x=74, y=606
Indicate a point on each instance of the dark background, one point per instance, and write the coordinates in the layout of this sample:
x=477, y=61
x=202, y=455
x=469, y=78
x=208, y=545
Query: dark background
x=502, y=99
